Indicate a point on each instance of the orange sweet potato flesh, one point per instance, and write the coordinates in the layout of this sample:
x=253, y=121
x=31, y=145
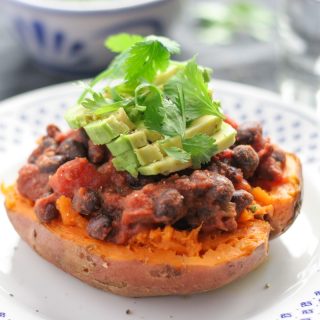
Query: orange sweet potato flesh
x=286, y=198
x=158, y=262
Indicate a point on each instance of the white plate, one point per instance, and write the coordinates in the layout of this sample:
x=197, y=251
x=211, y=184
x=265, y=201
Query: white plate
x=31, y=288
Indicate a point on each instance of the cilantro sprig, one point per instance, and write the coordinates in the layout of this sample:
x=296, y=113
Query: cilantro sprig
x=195, y=90
x=164, y=95
x=201, y=147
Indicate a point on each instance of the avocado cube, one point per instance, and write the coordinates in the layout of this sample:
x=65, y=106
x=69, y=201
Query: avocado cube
x=168, y=143
x=77, y=116
x=148, y=154
x=137, y=139
x=119, y=145
x=225, y=137
x=153, y=136
x=125, y=160
x=207, y=124
x=100, y=132
x=165, y=166
x=116, y=126
x=122, y=117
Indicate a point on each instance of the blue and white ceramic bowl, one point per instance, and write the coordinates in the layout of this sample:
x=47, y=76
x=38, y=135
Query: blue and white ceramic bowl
x=67, y=35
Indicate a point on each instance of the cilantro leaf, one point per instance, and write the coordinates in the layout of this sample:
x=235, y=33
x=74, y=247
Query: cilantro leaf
x=197, y=98
x=177, y=154
x=111, y=107
x=122, y=41
x=100, y=105
x=173, y=121
x=145, y=59
x=161, y=114
x=114, y=71
x=172, y=46
x=150, y=96
x=96, y=101
x=139, y=58
x=201, y=147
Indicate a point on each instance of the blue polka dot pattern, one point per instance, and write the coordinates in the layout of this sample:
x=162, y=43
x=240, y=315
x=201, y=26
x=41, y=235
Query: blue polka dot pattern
x=280, y=129
x=278, y=117
x=296, y=124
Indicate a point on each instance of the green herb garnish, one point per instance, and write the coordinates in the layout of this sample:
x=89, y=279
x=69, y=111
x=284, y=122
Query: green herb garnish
x=200, y=147
x=150, y=98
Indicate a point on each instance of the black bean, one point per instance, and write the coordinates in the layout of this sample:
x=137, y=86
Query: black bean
x=99, y=227
x=81, y=136
x=221, y=190
x=86, y=201
x=245, y=158
x=269, y=169
x=45, y=144
x=133, y=182
x=72, y=149
x=241, y=199
x=249, y=133
x=45, y=209
x=140, y=181
x=96, y=153
x=201, y=182
x=225, y=169
x=169, y=203
x=50, y=164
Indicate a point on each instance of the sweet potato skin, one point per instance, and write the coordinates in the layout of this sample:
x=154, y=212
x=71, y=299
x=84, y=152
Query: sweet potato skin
x=287, y=197
x=132, y=278
x=137, y=278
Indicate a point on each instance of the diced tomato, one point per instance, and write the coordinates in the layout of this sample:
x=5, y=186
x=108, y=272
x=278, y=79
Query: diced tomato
x=138, y=207
x=225, y=154
x=230, y=121
x=75, y=174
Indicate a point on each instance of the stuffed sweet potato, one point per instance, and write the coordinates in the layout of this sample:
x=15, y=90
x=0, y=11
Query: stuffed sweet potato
x=154, y=191
x=161, y=261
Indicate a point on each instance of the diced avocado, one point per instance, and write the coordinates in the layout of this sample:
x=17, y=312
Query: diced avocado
x=148, y=154
x=165, y=166
x=100, y=132
x=137, y=139
x=122, y=116
x=127, y=161
x=207, y=124
x=77, y=116
x=153, y=136
x=133, y=170
x=127, y=158
x=116, y=126
x=171, y=142
x=225, y=137
x=120, y=145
